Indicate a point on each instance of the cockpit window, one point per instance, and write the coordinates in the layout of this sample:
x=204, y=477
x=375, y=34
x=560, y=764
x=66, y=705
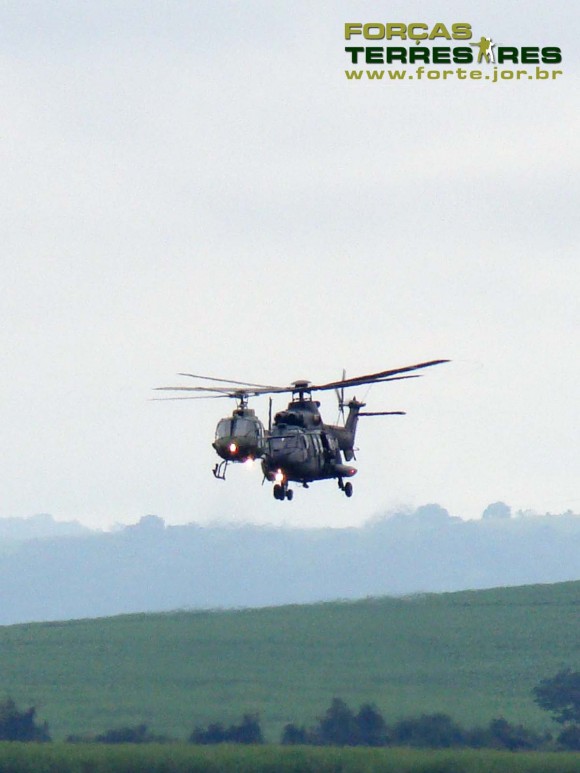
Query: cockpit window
x=244, y=428
x=237, y=427
x=224, y=428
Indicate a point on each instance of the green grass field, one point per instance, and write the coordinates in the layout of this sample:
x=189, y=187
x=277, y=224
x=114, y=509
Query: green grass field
x=474, y=655
x=180, y=758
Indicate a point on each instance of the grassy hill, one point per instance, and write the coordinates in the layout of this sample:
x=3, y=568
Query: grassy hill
x=474, y=655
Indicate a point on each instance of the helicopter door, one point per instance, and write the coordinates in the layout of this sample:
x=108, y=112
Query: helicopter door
x=318, y=451
x=328, y=452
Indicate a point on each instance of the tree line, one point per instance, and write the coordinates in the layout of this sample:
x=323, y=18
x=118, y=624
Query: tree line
x=342, y=726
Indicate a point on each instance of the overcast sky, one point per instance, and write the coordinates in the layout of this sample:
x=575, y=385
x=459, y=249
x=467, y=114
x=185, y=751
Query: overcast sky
x=195, y=186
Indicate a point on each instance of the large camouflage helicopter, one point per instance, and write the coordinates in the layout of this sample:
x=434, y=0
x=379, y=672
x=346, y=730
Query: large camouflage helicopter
x=298, y=445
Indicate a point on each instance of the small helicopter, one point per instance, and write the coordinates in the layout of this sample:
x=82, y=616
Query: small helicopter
x=239, y=437
x=297, y=446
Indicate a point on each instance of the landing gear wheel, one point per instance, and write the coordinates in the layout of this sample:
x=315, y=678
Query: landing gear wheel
x=278, y=491
x=348, y=489
x=289, y=494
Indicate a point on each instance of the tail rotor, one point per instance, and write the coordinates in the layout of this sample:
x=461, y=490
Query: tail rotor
x=340, y=398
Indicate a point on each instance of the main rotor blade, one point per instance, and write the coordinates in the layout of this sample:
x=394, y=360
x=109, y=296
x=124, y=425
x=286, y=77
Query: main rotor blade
x=371, y=378
x=228, y=381
x=322, y=387
x=264, y=389
x=196, y=397
x=395, y=378
x=316, y=387
x=222, y=390
x=382, y=413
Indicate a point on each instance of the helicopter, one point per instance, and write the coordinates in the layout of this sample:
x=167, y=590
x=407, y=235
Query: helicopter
x=298, y=445
x=239, y=437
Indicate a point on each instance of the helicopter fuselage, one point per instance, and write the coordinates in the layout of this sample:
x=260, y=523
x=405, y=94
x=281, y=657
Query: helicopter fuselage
x=239, y=437
x=301, y=456
x=301, y=448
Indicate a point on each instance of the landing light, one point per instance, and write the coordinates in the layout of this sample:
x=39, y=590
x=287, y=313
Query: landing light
x=279, y=476
x=233, y=448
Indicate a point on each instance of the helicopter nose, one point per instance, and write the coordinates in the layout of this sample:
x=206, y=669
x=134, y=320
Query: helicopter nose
x=227, y=448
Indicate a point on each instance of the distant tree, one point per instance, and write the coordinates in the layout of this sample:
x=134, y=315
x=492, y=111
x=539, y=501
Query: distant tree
x=504, y=735
x=341, y=727
x=434, y=731
x=433, y=514
x=569, y=738
x=247, y=732
x=296, y=735
x=16, y=725
x=560, y=694
x=501, y=734
x=214, y=733
x=497, y=510
x=338, y=727
x=372, y=729
x=136, y=734
x=150, y=524
x=477, y=737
